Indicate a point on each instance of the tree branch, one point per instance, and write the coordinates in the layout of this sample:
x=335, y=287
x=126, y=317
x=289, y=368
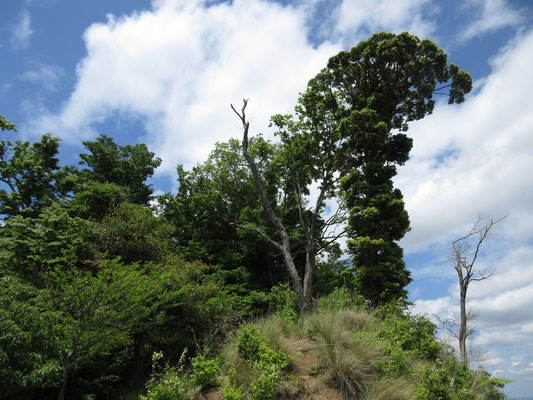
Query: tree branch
x=260, y=233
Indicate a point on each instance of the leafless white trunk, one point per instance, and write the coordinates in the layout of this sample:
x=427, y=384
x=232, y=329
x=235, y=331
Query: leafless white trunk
x=464, y=253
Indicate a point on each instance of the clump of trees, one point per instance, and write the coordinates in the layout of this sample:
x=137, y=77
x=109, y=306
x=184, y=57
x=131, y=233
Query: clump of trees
x=91, y=283
x=347, y=137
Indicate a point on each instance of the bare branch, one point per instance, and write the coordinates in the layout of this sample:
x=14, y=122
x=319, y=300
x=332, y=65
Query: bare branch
x=260, y=233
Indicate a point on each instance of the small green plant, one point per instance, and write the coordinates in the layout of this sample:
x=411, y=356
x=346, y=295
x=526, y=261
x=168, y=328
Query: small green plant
x=313, y=369
x=204, y=372
x=267, y=363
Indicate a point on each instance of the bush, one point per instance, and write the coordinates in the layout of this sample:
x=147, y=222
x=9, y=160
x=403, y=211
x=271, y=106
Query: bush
x=282, y=300
x=265, y=385
x=250, y=342
x=414, y=334
x=267, y=364
x=232, y=392
x=204, y=372
x=171, y=385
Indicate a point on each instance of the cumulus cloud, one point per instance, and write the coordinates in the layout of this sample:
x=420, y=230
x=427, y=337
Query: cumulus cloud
x=493, y=15
x=21, y=32
x=182, y=64
x=486, y=170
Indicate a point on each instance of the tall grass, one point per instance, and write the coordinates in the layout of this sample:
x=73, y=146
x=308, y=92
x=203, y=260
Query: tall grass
x=387, y=388
x=351, y=358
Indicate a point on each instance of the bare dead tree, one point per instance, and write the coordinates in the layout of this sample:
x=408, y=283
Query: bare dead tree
x=302, y=286
x=464, y=253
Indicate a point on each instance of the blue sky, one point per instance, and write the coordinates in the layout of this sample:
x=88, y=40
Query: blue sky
x=164, y=72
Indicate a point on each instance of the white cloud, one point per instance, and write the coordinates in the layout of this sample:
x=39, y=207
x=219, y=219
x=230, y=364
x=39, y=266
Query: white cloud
x=21, y=31
x=357, y=18
x=491, y=137
x=181, y=66
x=45, y=75
x=494, y=15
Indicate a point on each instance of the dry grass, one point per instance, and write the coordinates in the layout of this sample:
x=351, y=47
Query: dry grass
x=388, y=388
x=350, y=358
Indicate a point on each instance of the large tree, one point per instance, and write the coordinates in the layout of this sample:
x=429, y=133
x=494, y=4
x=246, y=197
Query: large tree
x=32, y=176
x=371, y=94
x=126, y=166
x=307, y=155
x=213, y=196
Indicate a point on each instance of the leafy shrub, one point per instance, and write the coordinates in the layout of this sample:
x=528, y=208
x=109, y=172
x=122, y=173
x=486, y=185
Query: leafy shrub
x=413, y=334
x=233, y=392
x=282, y=300
x=342, y=298
x=265, y=385
x=171, y=385
x=267, y=363
x=204, y=372
x=250, y=342
x=433, y=384
x=448, y=379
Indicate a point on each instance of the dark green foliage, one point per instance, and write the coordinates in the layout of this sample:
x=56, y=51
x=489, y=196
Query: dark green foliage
x=205, y=371
x=133, y=233
x=126, y=166
x=371, y=93
x=95, y=200
x=6, y=125
x=282, y=300
x=189, y=307
x=333, y=272
x=32, y=246
x=30, y=339
x=102, y=311
x=33, y=176
x=210, y=199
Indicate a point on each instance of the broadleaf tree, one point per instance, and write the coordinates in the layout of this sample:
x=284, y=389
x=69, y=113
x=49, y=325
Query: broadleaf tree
x=127, y=166
x=307, y=155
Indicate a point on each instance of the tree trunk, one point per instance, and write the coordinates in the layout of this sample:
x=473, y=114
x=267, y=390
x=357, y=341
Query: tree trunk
x=63, y=390
x=309, y=303
x=463, y=325
x=138, y=364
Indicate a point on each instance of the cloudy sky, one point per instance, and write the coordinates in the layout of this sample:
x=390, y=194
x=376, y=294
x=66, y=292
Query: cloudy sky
x=164, y=72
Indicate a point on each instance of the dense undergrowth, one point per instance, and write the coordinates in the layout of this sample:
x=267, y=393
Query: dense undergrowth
x=385, y=353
